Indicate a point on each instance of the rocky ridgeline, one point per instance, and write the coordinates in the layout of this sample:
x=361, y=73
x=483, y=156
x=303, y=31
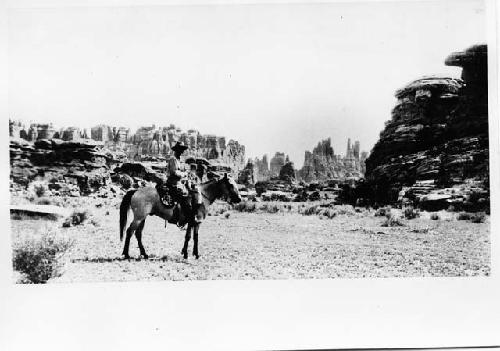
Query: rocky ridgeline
x=155, y=143
x=70, y=168
x=147, y=144
x=323, y=164
x=84, y=167
x=434, y=150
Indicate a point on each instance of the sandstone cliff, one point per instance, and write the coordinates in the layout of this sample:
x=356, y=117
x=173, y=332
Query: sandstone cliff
x=147, y=144
x=69, y=167
x=437, y=136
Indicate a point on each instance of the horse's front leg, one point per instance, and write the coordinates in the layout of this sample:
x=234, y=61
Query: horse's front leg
x=184, y=251
x=195, y=240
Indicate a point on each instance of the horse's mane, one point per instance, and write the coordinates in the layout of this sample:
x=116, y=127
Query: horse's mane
x=214, y=180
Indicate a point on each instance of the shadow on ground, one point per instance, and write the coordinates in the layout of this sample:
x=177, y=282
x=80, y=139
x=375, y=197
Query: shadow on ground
x=164, y=258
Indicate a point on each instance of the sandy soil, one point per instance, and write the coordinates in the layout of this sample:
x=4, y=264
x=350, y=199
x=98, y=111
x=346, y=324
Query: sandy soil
x=273, y=246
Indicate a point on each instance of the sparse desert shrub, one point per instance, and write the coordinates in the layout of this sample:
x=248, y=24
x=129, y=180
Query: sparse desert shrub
x=345, y=210
x=227, y=214
x=383, y=211
x=76, y=218
x=310, y=210
x=434, y=216
x=43, y=201
x=245, y=206
x=411, y=213
x=479, y=217
x=272, y=207
x=329, y=213
x=38, y=188
x=39, y=258
x=464, y=216
x=391, y=220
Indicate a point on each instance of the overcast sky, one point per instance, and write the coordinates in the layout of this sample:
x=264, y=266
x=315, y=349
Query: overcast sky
x=274, y=77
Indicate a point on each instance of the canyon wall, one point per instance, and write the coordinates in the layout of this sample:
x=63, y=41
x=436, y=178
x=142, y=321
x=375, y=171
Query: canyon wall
x=147, y=144
x=437, y=137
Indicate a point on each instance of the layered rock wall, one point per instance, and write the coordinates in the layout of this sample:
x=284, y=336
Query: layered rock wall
x=147, y=144
x=67, y=166
x=438, y=133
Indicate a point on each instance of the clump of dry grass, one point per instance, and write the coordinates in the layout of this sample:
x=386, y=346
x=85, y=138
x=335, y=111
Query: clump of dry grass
x=39, y=258
x=310, y=210
x=329, y=213
x=245, y=206
x=38, y=188
x=77, y=217
x=479, y=217
x=411, y=213
x=435, y=216
x=392, y=220
x=464, y=216
x=43, y=201
x=383, y=211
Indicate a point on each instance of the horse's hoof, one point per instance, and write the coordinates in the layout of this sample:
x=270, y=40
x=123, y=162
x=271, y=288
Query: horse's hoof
x=126, y=257
x=145, y=256
x=197, y=256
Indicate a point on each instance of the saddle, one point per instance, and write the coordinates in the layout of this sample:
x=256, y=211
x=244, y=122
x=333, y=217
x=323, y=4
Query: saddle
x=171, y=195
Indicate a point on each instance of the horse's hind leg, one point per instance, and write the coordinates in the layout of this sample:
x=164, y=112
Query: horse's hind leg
x=186, y=242
x=195, y=240
x=138, y=235
x=131, y=229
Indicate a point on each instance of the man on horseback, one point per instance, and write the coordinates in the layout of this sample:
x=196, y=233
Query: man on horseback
x=179, y=179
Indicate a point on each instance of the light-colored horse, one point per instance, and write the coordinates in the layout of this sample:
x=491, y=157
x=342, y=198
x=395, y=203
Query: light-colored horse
x=146, y=202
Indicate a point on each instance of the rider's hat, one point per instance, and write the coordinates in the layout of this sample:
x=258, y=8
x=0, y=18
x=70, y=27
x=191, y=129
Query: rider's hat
x=179, y=146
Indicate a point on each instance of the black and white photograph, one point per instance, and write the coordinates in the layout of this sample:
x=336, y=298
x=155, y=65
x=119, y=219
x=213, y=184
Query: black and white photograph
x=221, y=142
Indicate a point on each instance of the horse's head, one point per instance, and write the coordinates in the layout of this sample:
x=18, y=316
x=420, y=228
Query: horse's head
x=229, y=189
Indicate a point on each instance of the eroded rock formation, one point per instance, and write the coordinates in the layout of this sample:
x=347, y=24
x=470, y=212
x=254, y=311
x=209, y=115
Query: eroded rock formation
x=277, y=161
x=438, y=134
x=323, y=164
x=147, y=144
x=248, y=176
x=81, y=164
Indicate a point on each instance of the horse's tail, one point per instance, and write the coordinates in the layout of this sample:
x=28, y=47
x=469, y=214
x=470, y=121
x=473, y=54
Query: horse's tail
x=124, y=206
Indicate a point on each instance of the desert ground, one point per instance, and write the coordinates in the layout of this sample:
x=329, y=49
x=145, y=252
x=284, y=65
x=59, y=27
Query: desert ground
x=262, y=245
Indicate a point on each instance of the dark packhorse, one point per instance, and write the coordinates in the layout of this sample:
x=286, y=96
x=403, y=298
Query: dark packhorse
x=146, y=201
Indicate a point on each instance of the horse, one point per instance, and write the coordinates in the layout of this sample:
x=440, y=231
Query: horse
x=145, y=202
x=224, y=188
